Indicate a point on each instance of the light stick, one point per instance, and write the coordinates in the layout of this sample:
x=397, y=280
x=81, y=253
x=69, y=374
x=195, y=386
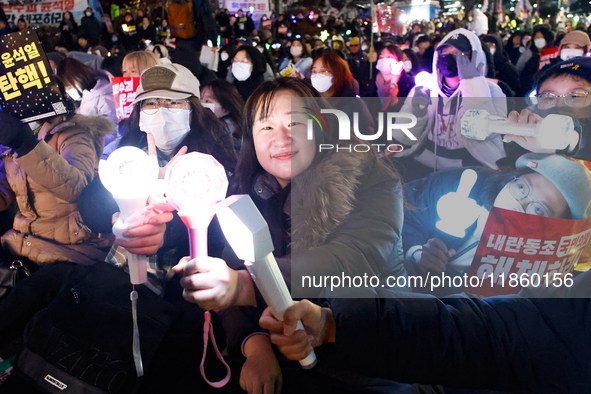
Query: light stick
x=129, y=174
x=248, y=234
x=456, y=210
x=195, y=182
x=552, y=132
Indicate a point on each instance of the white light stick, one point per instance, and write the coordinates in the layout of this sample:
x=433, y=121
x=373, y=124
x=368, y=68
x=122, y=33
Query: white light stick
x=456, y=210
x=195, y=182
x=130, y=174
x=248, y=234
x=553, y=132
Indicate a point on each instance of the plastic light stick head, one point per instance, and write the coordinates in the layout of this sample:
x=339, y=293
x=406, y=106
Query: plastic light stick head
x=195, y=182
x=474, y=124
x=397, y=68
x=245, y=228
x=456, y=210
x=129, y=173
x=424, y=79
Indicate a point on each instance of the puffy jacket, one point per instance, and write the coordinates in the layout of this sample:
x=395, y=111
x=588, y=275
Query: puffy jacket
x=46, y=183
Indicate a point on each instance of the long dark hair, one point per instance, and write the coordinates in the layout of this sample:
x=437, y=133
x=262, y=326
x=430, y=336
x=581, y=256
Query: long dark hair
x=78, y=75
x=207, y=135
x=230, y=100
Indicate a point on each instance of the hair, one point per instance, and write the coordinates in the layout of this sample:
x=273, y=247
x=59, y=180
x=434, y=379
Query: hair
x=305, y=52
x=229, y=98
x=142, y=60
x=203, y=123
x=342, y=79
x=412, y=56
x=548, y=36
x=114, y=65
x=260, y=103
x=78, y=75
x=393, y=49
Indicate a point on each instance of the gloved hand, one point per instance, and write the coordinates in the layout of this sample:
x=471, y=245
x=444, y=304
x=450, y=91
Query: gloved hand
x=467, y=68
x=16, y=135
x=420, y=102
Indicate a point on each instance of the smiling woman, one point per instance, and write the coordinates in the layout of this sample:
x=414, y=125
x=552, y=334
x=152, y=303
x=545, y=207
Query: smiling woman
x=340, y=210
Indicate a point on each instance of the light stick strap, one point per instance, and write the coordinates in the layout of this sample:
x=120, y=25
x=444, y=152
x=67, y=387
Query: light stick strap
x=208, y=333
x=137, y=353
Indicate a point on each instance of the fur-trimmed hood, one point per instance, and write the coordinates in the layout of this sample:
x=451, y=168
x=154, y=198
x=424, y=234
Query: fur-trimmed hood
x=324, y=195
x=98, y=126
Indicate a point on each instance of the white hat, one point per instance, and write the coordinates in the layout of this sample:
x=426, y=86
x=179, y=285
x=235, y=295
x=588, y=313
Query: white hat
x=169, y=81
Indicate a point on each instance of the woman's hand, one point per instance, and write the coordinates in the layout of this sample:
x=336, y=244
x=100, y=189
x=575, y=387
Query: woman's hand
x=208, y=282
x=145, y=239
x=434, y=257
x=152, y=152
x=261, y=373
x=526, y=117
x=298, y=344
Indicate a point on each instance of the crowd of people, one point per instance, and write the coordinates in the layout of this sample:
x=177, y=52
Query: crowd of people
x=330, y=212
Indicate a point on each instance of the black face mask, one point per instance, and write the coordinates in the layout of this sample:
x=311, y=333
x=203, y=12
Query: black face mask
x=447, y=66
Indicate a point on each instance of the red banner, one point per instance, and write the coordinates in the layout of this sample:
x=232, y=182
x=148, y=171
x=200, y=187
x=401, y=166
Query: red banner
x=547, y=55
x=518, y=249
x=124, y=92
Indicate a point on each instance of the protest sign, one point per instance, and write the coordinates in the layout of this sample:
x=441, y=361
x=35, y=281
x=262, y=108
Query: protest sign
x=28, y=87
x=518, y=249
x=44, y=12
x=547, y=55
x=124, y=92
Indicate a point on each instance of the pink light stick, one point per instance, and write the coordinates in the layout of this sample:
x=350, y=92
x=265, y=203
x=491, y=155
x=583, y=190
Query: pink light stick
x=196, y=182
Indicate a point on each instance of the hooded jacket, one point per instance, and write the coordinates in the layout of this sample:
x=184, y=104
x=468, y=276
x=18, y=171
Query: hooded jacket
x=46, y=183
x=100, y=101
x=259, y=66
x=441, y=125
x=504, y=70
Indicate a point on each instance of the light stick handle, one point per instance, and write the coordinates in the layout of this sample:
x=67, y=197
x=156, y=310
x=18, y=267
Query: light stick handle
x=269, y=280
x=138, y=268
x=198, y=242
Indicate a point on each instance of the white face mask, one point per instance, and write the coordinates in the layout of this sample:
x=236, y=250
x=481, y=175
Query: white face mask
x=241, y=71
x=224, y=56
x=74, y=94
x=407, y=65
x=569, y=53
x=296, y=51
x=540, y=43
x=211, y=106
x=168, y=128
x=321, y=82
x=506, y=201
x=389, y=66
x=364, y=47
x=88, y=13
x=493, y=50
x=260, y=49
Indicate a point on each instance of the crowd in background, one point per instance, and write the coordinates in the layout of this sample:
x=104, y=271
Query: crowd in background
x=371, y=212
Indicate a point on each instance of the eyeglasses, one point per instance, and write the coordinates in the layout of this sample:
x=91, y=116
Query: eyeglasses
x=151, y=106
x=575, y=99
x=519, y=189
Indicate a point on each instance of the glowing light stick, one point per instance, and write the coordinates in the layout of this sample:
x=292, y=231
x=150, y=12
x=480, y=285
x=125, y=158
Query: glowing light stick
x=195, y=182
x=248, y=234
x=553, y=132
x=456, y=210
x=130, y=175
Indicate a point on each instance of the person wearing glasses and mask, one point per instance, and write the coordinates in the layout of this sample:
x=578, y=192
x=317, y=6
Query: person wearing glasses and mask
x=563, y=89
x=556, y=186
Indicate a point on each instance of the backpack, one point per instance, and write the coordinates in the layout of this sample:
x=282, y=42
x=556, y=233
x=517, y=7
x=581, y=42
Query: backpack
x=180, y=19
x=82, y=342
